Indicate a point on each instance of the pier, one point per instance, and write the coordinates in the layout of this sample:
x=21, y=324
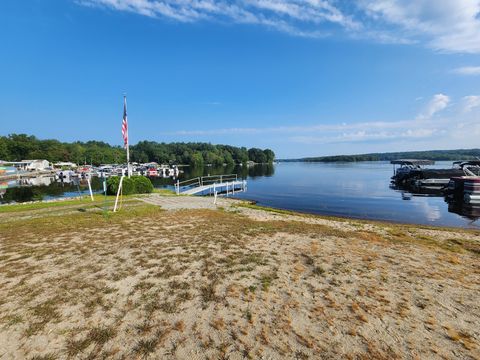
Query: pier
x=211, y=185
x=22, y=175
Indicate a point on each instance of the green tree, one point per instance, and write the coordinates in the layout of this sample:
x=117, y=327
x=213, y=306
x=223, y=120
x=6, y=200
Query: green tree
x=257, y=155
x=197, y=160
x=270, y=155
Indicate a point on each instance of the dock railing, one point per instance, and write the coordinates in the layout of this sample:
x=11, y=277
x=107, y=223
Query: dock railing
x=203, y=181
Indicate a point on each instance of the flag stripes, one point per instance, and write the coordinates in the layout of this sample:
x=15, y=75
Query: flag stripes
x=125, y=124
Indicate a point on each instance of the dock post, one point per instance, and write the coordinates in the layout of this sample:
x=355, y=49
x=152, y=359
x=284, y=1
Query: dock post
x=177, y=186
x=215, y=198
x=233, y=188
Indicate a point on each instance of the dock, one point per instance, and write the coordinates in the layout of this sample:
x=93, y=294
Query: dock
x=211, y=185
x=23, y=175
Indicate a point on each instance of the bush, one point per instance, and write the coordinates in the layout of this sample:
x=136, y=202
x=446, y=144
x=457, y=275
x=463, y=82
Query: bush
x=132, y=185
x=143, y=185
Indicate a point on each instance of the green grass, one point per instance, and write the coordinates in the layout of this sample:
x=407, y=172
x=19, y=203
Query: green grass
x=85, y=201
x=165, y=192
x=253, y=206
x=49, y=225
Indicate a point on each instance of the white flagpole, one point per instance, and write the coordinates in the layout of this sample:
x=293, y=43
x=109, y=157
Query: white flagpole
x=128, y=160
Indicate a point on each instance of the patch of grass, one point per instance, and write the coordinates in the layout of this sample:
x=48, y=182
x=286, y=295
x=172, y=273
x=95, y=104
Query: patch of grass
x=310, y=261
x=11, y=320
x=144, y=347
x=144, y=327
x=168, y=307
x=165, y=192
x=58, y=224
x=253, y=258
x=251, y=205
x=49, y=356
x=208, y=293
x=75, y=347
x=183, y=296
x=100, y=335
x=248, y=315
x=43, y=313
x=318, y=270
x=266, y=280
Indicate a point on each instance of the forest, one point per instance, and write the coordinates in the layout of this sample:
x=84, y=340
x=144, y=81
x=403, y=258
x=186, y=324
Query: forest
x=16, y=147
x=438, y=155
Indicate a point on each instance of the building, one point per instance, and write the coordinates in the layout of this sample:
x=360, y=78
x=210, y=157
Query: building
x=28, y=165
x=65, y=164
x=37, y=165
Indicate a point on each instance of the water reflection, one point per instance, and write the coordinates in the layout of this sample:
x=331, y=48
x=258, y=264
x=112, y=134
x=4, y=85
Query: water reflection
x=45, y=188
x=470, y=212
x=243, y=172
x=68, y=184
x=456, y=204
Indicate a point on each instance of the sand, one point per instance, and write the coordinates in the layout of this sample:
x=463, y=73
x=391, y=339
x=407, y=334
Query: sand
x=233, y=282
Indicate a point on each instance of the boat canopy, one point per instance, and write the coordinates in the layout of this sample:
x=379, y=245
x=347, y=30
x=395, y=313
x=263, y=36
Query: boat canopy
x=412, y=162
x=470, y=162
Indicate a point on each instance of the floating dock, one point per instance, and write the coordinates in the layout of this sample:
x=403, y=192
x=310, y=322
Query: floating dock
x=211, y=185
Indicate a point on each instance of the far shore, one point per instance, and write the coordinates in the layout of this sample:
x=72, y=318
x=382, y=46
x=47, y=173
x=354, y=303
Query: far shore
x=178, y=277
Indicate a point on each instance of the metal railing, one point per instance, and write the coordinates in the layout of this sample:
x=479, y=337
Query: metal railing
x=204, y=180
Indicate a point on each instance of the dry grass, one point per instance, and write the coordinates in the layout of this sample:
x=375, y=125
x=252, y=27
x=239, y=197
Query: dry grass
x=147, y=283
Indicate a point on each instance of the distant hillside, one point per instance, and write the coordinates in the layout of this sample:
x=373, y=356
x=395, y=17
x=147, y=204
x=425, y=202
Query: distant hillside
x=460, y=154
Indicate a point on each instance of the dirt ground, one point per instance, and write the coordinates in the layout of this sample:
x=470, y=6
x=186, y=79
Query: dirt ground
x=233, y=283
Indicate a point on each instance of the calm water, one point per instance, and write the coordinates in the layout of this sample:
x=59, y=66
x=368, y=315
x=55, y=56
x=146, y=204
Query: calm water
x=357, y=190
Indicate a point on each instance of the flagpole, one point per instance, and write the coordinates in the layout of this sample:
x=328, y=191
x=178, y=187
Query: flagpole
x=128, y=150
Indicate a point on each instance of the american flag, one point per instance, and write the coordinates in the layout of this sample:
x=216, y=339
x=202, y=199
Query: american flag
x=125, y=123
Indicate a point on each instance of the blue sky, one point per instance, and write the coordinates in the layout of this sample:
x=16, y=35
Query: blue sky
x=310, y=77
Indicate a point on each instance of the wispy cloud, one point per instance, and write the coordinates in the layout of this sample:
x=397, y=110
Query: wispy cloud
x=296, y=17
x=468, y=70
x=445, y=25
x=437, y=104
x=470, y=103
x=428, y=125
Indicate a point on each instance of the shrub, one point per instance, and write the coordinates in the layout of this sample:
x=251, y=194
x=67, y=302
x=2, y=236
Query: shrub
x=142, y=184
x=132, y=185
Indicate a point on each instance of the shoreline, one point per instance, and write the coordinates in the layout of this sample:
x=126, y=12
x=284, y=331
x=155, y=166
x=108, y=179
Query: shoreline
x=168, y=192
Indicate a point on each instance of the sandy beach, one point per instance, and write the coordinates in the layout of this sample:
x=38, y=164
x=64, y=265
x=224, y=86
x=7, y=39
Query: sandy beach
x=232, y=281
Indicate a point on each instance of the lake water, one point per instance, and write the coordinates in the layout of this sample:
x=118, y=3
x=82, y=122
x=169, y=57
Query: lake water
x=357, y=190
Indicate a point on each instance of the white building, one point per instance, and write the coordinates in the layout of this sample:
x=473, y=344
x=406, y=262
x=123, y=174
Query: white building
x=65, y=164
x=37, y=165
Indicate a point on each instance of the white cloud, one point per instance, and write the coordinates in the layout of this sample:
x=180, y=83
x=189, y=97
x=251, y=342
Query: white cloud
x=468, y=70
x=459, y=129
x=297, y=17
x=445, y=25
x=437, y=104
x=470, y=102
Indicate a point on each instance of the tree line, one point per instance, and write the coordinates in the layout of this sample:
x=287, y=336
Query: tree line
x=16, y=147
x=449, y=155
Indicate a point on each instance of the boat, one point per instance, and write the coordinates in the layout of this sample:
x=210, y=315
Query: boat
x=407, y=167
x=412, y=174
x=152, y=171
